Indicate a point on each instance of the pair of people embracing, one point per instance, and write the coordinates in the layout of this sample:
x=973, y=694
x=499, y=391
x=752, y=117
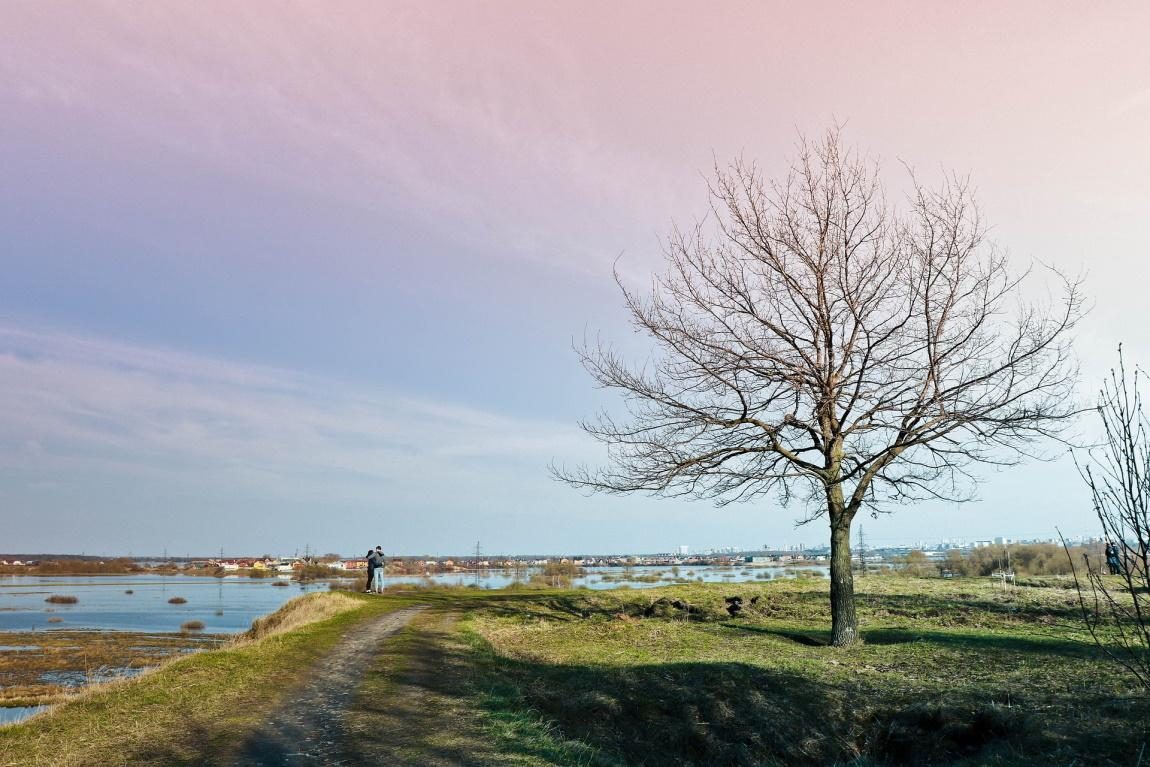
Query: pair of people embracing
x=375, y=563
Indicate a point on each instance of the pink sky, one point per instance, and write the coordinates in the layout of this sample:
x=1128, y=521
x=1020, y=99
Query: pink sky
x=363, y=190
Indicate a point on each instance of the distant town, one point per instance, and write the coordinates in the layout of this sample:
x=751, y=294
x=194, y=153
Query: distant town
x=681, y=557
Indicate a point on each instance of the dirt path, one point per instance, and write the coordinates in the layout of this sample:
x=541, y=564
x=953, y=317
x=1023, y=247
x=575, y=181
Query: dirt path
x=309, y=728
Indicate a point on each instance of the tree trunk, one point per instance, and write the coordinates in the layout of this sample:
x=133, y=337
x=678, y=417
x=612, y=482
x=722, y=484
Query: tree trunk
x=844, y=622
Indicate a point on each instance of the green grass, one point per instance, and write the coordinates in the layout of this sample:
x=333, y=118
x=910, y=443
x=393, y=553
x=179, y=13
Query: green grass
x=424, y=703
x=950, y=672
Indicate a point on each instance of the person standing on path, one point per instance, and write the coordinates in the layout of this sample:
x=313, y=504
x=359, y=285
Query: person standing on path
x=380, y=569
x=374, y=561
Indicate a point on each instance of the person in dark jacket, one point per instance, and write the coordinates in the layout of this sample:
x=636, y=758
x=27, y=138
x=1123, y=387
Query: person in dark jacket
x=1113, y=560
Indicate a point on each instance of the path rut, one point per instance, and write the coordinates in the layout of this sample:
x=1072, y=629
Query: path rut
x=309, y=728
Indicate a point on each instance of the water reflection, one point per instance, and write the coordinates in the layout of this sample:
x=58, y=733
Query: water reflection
x=139, y=602
x=600, y=578
x=229, y=605
x=95, y=676
x=14, y=714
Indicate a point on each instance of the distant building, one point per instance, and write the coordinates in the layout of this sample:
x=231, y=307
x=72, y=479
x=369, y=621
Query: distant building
x=683, y=550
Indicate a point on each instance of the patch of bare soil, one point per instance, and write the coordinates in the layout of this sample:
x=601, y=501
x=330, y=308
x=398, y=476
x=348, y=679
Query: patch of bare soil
x=309, y=729
x=417, y=706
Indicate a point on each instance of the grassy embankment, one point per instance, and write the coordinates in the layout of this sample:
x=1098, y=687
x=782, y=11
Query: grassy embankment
x=952, y=672
x=194, y=709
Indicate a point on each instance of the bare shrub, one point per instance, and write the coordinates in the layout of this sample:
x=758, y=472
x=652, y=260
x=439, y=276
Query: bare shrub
x=1116, y=607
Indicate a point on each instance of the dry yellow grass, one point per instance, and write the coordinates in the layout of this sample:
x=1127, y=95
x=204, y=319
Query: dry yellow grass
x=299, y=612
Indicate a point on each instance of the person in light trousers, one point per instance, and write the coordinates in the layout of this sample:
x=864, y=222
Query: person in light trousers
x=376, y=579
x=374, y=565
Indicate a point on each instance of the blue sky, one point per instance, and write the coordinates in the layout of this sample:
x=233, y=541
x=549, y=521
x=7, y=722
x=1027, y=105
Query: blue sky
x=282, y=276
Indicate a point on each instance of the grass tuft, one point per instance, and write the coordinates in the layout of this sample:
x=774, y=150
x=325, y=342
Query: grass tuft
x=62, y=599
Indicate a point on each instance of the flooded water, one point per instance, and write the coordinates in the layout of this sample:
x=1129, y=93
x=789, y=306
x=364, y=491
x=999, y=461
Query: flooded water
x=13, y=714
x=229, y=605
x=598, y=578
x=140, y=602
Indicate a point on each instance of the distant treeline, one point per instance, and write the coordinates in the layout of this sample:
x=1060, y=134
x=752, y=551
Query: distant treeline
x=119, y=566
x=1023, y=559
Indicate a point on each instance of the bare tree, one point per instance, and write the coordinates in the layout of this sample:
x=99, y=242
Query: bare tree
x=1117, y=608
x=817, y=343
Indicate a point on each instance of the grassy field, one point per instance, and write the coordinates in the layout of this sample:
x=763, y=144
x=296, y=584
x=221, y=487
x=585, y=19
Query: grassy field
x=951, y=672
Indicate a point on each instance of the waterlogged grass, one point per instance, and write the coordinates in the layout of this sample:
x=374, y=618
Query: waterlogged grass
x=57, y=661
x=62, y=599
x=194, y=710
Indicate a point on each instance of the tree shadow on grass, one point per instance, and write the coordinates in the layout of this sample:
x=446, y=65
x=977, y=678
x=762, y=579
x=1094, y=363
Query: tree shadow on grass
x=691, y=713
x=669, y=714
x=805, y=638
x=958, y=607
x=957, y=639
x=729, y=714
x=983, y=641
x=418, y=705
x=422, y=709
x=198, y=744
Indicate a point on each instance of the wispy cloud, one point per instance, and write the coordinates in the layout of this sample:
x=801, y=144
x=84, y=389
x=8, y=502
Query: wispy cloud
x=72, y=404
x=473, y=120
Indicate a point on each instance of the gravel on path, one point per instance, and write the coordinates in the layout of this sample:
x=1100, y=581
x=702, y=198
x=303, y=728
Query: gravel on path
x=308, y=729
